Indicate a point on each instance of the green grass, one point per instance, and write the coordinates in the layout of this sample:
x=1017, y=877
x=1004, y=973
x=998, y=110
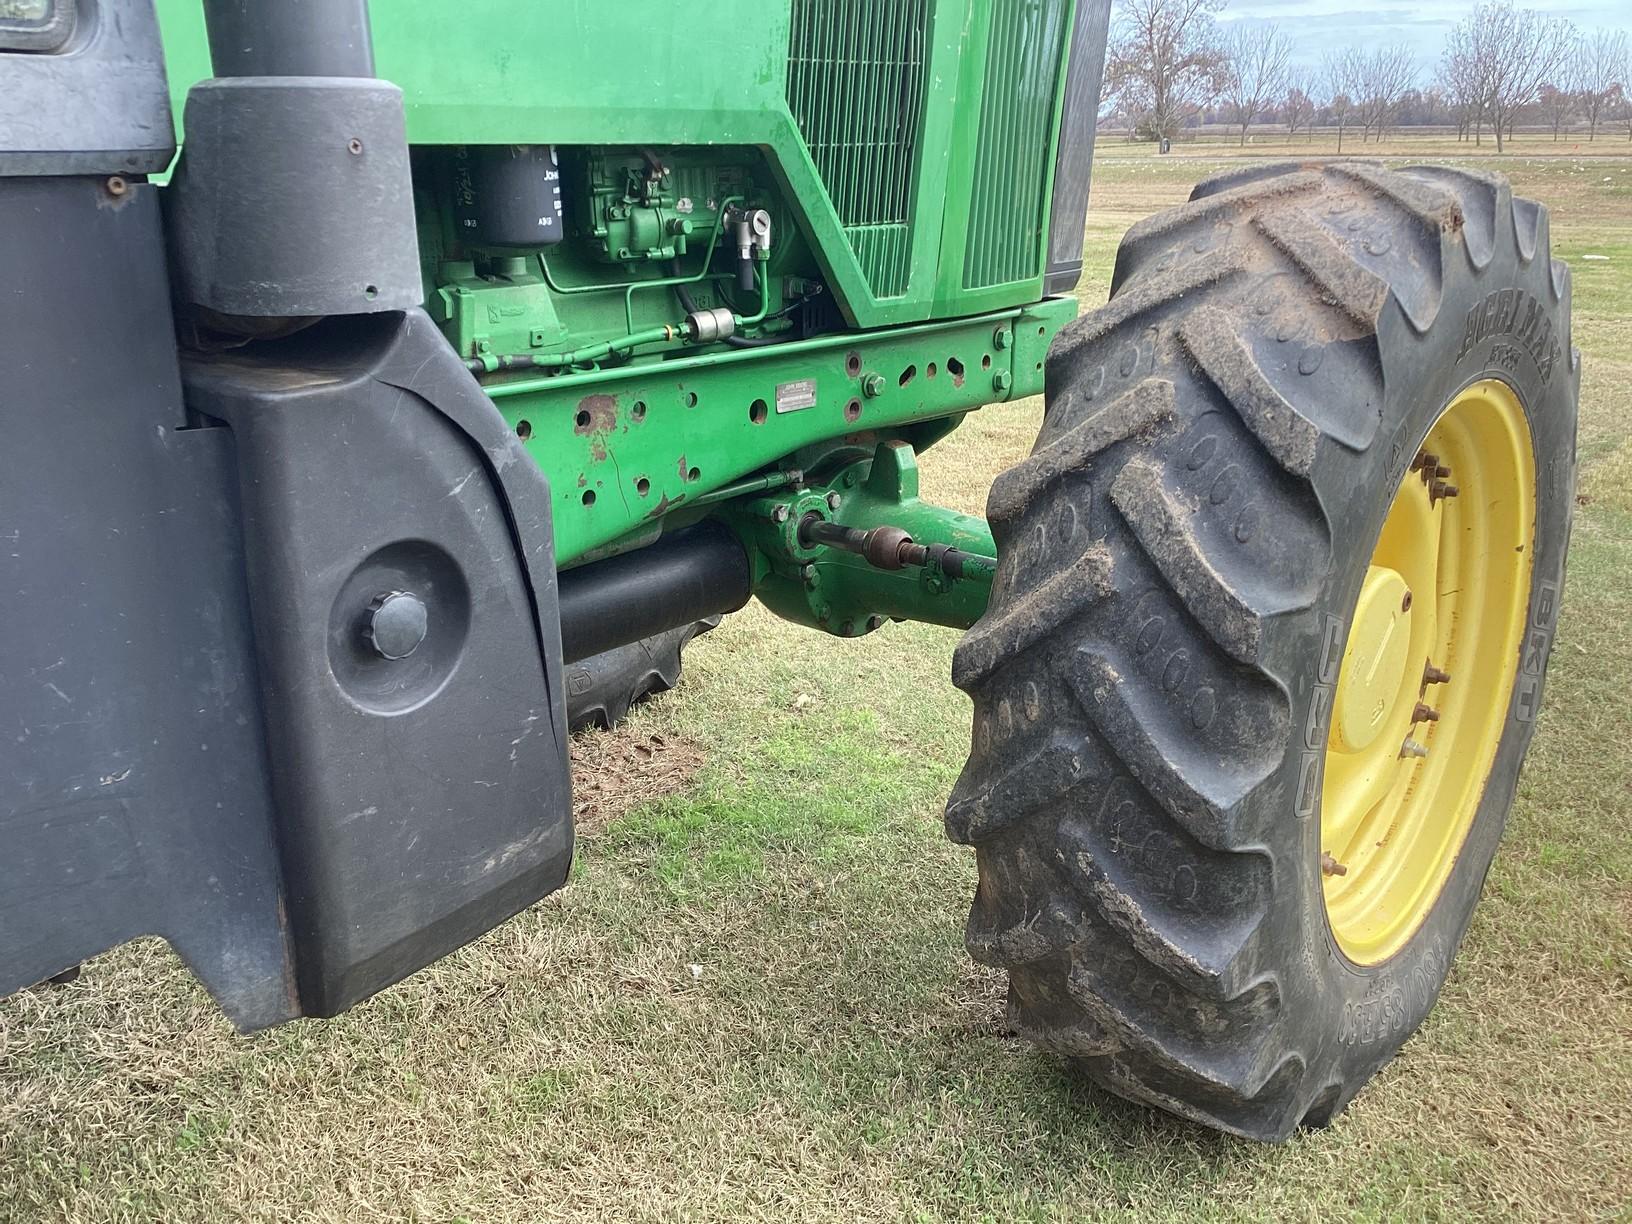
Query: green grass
x=752, y=1001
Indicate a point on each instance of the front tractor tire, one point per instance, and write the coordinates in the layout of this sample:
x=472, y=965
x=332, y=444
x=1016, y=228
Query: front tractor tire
x=1276, y=592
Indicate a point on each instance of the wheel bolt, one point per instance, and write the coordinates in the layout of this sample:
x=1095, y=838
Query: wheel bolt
x=1424, y=713
x=1441, y=470
x=1330, y=866
x=1424, y=460
x=1440, y=489
x=1432, y=675
x=1412, y=749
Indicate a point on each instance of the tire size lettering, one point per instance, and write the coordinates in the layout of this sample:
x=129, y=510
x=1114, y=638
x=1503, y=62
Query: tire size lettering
x=1537, y=644
x=1394, y=1002
x=1320, y=712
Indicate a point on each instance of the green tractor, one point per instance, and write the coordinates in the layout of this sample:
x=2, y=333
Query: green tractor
x=458, y=369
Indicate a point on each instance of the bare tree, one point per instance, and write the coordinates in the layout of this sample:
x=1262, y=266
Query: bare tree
x=1601, y=62
x=1461, y=79
x=1255, y=59
x=1623, y=100
x=1164, y=64
x=1510, y=52
x=1372, y=84
x=1301, y=101
x=1386, y=75
x=1342, y=72
x=1558, y=103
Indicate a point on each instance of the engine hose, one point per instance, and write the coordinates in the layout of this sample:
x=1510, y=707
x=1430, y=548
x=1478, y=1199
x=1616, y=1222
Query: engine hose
x=491, y=363
x=690, y=305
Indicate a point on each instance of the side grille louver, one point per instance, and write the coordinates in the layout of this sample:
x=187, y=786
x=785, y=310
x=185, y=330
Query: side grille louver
x=856, y=89
x=1009, y=198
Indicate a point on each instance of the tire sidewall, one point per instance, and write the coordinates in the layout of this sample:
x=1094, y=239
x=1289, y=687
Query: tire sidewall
x=1368, y=1011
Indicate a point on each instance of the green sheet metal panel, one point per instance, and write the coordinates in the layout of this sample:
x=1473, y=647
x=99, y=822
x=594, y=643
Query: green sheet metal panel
x=888, y=93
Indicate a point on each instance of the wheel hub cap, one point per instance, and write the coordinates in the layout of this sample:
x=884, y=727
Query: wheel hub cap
x=1428, y=672
x=1375, y=662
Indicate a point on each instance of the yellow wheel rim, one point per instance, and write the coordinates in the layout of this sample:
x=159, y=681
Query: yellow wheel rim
x=1427, y=675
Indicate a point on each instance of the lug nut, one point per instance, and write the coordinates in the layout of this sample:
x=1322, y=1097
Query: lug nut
x=1424, y=713
x=1441, y=470
x=1440, y=489
x=1423, y=459
x=1432, y=675
x=1412, y=749
x=1330, y=866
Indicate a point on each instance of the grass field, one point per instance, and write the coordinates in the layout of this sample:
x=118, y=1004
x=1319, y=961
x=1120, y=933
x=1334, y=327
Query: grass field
x=753, y=1002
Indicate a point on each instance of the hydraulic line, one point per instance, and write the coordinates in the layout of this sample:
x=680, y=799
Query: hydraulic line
x=667, y=333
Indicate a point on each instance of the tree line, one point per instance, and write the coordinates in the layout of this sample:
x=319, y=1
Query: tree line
x=1171, y=65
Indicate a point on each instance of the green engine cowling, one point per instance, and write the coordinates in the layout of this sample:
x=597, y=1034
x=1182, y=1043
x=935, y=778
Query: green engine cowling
x=801, y=230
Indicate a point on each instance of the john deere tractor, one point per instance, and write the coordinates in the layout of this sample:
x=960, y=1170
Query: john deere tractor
x=457, y=369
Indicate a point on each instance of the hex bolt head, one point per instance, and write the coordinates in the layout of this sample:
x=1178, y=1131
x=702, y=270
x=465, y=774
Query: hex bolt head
x=396, y=624
x=834, y=501
x=1424, y=713
x=1002, y=381
x=1439, y=489
x=1330, y=866
x=1000, y=338
x=872, y=386
x=1432, y=675
x=1412, y=749
x=779, y=514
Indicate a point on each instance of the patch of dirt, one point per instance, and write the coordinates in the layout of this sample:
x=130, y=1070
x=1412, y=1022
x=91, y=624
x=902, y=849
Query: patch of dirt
x=613, y=771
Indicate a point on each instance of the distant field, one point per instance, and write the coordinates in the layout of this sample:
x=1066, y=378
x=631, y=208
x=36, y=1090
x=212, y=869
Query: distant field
x=752, y=1002
x=1264, y=141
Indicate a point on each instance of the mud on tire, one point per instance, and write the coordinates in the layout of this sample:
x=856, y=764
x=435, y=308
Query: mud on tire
x=1178, y=554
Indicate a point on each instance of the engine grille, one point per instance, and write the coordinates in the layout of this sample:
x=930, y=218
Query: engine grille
x=856, y=90
x=1007, y=203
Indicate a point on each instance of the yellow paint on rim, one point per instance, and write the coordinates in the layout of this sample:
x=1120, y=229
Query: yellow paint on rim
x=1446, y=593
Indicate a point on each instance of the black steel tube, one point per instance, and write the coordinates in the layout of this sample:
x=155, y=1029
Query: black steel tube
x=696, y=572
x=289, y=38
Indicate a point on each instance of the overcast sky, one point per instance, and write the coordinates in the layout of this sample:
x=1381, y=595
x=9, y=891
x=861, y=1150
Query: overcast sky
x=1317, y=26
